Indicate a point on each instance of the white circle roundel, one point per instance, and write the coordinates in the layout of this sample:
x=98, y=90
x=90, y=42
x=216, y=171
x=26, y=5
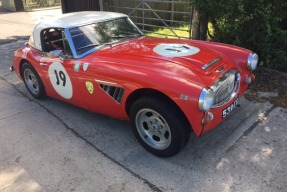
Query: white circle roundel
x=60, y=80
x=175, y=50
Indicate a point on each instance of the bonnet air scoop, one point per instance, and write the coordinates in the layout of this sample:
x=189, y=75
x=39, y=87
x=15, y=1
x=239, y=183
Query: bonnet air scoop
x=211, y=63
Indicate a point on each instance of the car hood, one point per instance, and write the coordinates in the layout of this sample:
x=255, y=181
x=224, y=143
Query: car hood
x=186, y=53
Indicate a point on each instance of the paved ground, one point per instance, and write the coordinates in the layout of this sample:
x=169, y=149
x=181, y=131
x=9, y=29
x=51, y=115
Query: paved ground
x=49, y=145
x=38, y=153
x=19, y=25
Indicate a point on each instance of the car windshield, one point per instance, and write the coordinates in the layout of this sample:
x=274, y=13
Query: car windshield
x=94, y=35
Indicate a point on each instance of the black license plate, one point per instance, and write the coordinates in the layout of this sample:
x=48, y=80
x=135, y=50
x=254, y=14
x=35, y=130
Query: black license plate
x=227, y=110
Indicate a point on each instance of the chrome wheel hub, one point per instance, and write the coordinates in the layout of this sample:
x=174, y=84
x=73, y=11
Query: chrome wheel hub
x=153, y=129
x=31, y=81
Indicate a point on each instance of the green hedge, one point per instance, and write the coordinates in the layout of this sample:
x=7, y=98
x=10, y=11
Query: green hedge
x=259, y=25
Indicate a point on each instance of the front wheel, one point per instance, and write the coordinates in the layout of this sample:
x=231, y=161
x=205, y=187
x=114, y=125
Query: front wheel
x=32, y=81
x=159, y=126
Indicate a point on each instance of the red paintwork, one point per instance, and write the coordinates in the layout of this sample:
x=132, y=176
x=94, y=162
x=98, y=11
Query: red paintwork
x=133, y=65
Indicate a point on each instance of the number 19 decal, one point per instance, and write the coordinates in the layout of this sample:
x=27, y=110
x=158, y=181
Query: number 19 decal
x=62, y=77
x=60, y=80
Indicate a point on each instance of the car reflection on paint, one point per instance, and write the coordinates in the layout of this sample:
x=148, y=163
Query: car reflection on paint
x=166, y=88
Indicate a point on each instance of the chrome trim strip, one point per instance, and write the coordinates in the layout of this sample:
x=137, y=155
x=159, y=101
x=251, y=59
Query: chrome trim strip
x=216, y=60
x=105, y=82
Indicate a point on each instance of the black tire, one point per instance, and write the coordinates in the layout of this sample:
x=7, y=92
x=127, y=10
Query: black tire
x=159, y=126
x=33, y=81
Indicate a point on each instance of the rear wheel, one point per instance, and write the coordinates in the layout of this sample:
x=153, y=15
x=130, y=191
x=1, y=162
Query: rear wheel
x=32, y=81
x=159, y=126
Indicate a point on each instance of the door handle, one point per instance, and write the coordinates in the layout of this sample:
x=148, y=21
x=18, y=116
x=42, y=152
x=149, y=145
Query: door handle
x=44, y=64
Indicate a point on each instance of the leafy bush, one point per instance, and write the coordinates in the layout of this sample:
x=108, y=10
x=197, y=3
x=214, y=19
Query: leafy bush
x=259, y=25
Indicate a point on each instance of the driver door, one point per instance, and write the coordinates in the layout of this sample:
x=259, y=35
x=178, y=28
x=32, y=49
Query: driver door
x=59, y=74
x=61, y=80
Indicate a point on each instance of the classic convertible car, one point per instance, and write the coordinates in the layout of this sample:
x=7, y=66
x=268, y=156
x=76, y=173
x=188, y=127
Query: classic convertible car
x=166, y=88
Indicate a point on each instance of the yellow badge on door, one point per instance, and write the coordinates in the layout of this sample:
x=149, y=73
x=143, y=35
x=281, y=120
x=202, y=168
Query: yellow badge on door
x=90, y=87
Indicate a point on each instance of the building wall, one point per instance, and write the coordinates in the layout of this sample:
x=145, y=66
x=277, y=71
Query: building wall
x=80, y=5
x=8, y=4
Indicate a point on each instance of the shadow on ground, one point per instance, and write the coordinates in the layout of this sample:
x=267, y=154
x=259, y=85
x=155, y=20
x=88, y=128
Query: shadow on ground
x=13, y=38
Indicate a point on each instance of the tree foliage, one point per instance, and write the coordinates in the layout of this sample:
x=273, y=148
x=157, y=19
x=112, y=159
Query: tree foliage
x=259, y=25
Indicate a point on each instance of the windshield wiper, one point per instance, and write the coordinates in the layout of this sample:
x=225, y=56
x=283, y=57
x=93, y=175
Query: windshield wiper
x=93, y=45
x=124, y=36
x=90, y=45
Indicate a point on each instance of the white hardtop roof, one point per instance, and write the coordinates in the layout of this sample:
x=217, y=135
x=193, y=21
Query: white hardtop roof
x=73, y=20
x=78, y=18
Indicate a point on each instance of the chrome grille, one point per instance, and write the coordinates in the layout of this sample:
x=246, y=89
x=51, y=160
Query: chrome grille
x=226, y=88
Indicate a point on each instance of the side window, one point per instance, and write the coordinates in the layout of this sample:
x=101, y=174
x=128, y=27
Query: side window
x=52, y=40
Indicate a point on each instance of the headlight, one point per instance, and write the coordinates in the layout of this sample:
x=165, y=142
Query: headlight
x=252, y=61
x=206, y=99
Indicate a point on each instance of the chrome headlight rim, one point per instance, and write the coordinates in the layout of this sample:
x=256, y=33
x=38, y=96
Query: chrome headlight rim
x=206, y=99
x=252, y=61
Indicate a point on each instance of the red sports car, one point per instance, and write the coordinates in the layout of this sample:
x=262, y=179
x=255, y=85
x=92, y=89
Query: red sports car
x=166, y=88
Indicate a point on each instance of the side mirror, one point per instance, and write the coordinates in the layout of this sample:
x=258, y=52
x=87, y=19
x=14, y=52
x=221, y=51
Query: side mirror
x=63, y=57
x=54, y=53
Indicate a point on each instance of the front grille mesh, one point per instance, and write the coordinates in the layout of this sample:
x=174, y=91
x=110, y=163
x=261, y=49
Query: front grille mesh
x=226, y=87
